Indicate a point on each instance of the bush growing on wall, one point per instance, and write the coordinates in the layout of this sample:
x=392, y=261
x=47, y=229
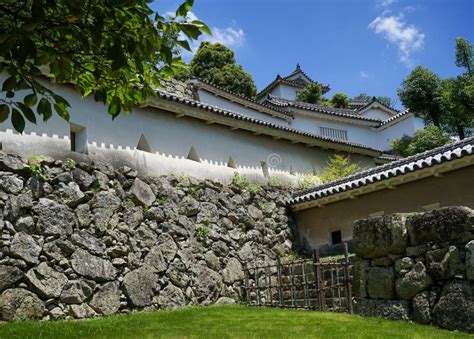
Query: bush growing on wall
x=338, y=166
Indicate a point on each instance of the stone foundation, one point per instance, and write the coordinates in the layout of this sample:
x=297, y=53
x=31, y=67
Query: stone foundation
x=82, y=240
x=417, y=266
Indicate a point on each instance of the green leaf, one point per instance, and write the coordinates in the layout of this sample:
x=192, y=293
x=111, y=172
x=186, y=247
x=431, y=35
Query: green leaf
x=184, y=44
x=27, y=112
x=9, y=84
x=61, y=110
x=184, y=8
x=30, y=100
x=114, y=108
x=18, y=121
x=4, y=112
x=44, y=108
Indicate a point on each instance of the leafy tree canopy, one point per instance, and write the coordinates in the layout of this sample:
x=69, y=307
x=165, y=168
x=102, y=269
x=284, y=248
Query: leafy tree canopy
x=418, y=93
x=312, y=94
x=338, y=166
x=465, y=55
x=423, y=140
x=115, y=51
x=215, y=63
x=340, y=100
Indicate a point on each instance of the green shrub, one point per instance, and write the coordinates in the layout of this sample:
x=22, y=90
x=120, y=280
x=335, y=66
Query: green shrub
x=423, y=140
x=338, y=166
x=37, y=167
x=243, y=183
x=308, y=180
x=202, y=231
x=69, y=164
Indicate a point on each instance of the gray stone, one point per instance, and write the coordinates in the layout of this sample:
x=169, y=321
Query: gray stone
x=421, y=307
x=88, y=242
x=212, y=261
x=208, y=284
x=54, y=218
x=83, y=214
x=455, y=308
x=390, y=309
x=91, y=266
x=225, y=301
x=382, y=262
x=81, y=311
x=444, y=263
x=107, y=299
x=25, y=224
x=70, y=194
x=11, y=163
x=20, y=304
x=360, y=278
x=57, y=313
x=133, y=217
x=155, y=213
x=84, y=179
x=380, y=236
x=189, y=206
x=167, y=246
x=416, y=280
x=138, y=286
x=470, y=260
x=142, y=193
x=254, y=212
x=45, y=281
x=155, y=260
x=233, y=271
x=9, y=275
x=25, y=247
x=11, y=183
x=381, y=283
x=403, y=265
x=76, y=291
x=171, y=296
x=440, y=225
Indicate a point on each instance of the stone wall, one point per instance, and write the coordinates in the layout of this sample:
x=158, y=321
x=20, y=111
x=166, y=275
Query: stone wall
x=417, y=266
x=81, y=240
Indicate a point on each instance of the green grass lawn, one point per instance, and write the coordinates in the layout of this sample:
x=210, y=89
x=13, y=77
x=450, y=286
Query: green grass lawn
x=226, y=322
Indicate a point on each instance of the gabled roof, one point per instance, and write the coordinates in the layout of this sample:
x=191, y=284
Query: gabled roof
x=375, y=103
x=394, y=118
x=241, y=99
x=232, y=119
x=287, y=80
x=400, y=168
x=339, y=112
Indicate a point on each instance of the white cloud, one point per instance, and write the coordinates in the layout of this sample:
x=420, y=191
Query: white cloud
x=398, y=32
x=363, y=74
x=230, y=36
x=385, y=3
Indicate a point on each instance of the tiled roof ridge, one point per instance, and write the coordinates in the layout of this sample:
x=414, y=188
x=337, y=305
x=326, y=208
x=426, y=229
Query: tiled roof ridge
x=374, y=99
x=238, y=116
x=395, y=117
x=343, y=112
x=299, y=70
x=241, y=96
x=399, y=167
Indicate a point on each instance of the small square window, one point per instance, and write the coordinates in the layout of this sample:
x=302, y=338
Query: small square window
x=336, y=237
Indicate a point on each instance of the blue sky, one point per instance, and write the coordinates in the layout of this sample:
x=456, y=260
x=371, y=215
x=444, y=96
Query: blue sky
x=353, y=45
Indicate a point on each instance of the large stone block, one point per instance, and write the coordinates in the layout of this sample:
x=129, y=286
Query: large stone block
x=416, y=280
x=9, y=275
x=390, y=309
x=470, y=260
x=23, y=246
x=139, y=285
x=142, y=193
x=91, y=266
x=380, y=236
x=455, y=308
x=440, y=225
x=46, y=281
x=54, y=218
x=381, y=283
x=107, y=299
x=360, y=278
x=20, y=304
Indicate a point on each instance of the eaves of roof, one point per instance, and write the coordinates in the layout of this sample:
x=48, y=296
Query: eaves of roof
x=234, y=120
x=280, y=80
x=217, y=90
x=400, y=168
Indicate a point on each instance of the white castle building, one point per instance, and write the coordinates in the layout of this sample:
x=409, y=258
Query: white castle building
x=199, y=129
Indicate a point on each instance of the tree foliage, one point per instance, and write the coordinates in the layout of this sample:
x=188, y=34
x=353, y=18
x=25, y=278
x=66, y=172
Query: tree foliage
x=423, y=140
x=418, y=93
x=115, y=51
x=338, y=166
x=311, y=94
x=464, y=55
x=215, y=63
x=340, y=100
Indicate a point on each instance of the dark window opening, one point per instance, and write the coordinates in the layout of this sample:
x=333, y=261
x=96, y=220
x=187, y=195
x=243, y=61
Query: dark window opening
x=336, y=237
x=72, y=137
